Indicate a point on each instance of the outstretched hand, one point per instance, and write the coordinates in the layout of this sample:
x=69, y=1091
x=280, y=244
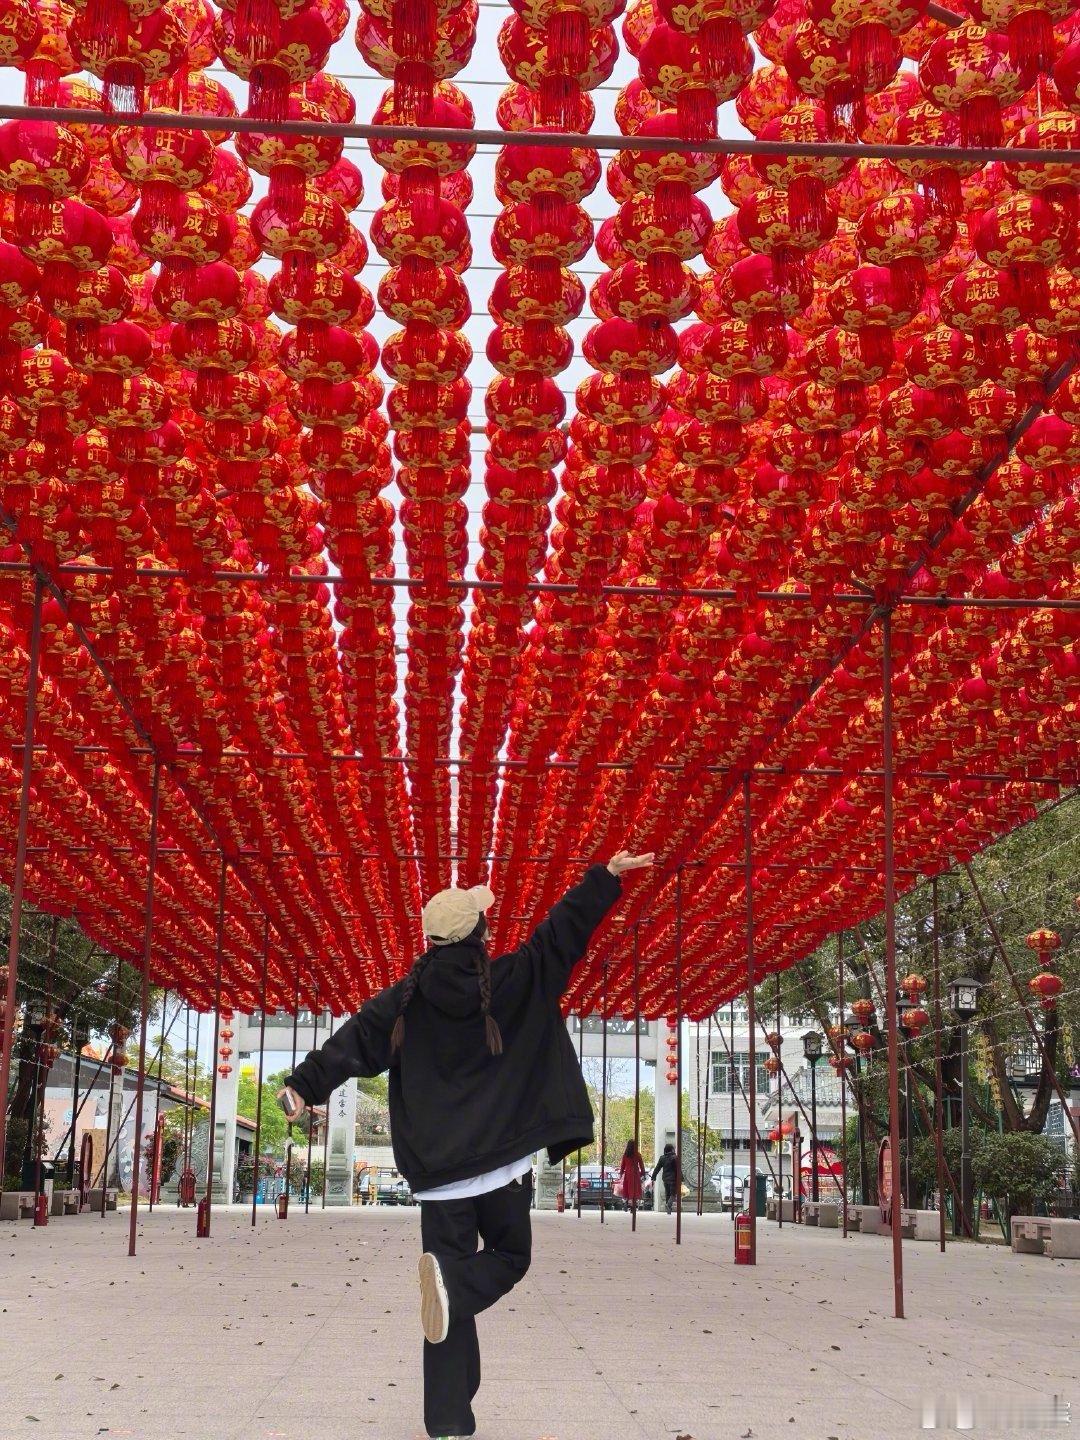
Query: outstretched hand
x=623, y=861
x=291, y=1103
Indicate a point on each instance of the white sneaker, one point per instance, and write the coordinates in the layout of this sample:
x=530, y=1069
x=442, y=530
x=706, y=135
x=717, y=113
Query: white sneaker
x=434, y=1304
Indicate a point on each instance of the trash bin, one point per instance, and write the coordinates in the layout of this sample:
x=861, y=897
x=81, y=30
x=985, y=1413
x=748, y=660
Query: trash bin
x=759, y=1194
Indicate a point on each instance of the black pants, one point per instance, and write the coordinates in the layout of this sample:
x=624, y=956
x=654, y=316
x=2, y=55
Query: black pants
x=451, y=1231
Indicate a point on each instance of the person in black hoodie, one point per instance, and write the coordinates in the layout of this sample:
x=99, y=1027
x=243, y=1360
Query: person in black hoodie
x=482, y=1074
x=669, y=1164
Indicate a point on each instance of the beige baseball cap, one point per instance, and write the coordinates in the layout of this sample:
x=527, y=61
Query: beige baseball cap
x=452, y=914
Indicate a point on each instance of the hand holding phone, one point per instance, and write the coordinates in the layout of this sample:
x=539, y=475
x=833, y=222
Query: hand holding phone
x=291, y=1104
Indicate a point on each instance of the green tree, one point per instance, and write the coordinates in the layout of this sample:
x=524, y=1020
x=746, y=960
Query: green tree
x=1027, y=881
x=273, y=1128
x=1018, y=1170
x=83, y=989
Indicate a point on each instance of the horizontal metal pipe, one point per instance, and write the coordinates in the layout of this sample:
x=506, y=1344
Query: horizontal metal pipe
x=338, y=757
x=547, y=587
x=546, y=139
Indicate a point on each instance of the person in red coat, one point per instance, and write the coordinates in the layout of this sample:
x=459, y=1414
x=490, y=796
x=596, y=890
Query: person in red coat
x=632, y=1176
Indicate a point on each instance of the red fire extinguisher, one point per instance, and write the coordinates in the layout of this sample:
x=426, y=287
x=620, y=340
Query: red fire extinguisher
x=283, y=1205
x=743, y=1239
x=560, y=1201
x=186, y=1191
x=41, y=1209
x=202, y=1219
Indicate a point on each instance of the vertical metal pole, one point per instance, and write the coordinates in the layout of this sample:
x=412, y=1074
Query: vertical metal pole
x=185, y=1154
x=219, y=945
x=112, y=1086
x=779, y=1120
x=637, y=1064
x=42, y=1073
x=842, y=1074
x=731, y=1090
x=262, y=1053
x=890, y=965
x=144, y=1001
x=939, y=1098
x=311, y=1125
x=289, y=1140
x=751, y=981
x=326, y=1133
x=603, y=1095
x=705, y=1122
x=678, y=1056
x=966, y=1206
x=157, y=1106
x=580, y=1058
x=77, y=1058
x=18, y=882
x=813, y=1134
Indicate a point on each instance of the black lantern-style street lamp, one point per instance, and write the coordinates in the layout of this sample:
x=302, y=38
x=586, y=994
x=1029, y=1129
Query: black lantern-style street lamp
x=813, y=1042
x=964, y=1000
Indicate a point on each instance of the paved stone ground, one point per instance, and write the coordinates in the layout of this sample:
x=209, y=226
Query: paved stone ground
x=307, y=1330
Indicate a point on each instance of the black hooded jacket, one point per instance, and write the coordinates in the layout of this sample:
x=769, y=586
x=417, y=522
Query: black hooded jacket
x=456, y=1110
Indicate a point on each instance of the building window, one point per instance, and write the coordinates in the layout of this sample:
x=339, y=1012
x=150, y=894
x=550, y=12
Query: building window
x=721, y=1073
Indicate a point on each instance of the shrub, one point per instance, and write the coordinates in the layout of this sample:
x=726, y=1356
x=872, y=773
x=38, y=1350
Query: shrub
x=1017, y=1169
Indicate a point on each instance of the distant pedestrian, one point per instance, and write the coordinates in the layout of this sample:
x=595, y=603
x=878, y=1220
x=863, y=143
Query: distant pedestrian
x=632, y=1176
x=669, y=1164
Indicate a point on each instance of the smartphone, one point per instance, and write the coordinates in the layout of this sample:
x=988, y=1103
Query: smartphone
x=283, y=1101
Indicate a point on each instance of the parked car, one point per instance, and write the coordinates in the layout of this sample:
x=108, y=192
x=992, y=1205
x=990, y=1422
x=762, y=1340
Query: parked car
x=720, y=1182
x=393, y=1189
x=590, y=1189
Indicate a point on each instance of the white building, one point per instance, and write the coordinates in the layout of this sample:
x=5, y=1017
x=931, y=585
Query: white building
x=720, y=1099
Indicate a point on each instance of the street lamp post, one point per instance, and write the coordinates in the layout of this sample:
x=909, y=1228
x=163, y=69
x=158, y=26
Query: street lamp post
x=964, y=998
x=812, y=1044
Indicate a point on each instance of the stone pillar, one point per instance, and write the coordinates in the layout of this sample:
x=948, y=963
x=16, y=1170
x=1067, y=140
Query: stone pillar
x=225, y=1141
x=341, y=1117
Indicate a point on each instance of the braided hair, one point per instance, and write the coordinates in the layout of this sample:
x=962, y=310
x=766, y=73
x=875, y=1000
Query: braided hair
x=492, y=1033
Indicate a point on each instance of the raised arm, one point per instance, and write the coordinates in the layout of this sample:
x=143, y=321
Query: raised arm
x=562, y=937
x=360, y=1048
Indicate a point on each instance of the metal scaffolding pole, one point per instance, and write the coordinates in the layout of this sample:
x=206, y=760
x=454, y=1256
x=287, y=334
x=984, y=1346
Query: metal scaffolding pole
x=18, y=883
x=842, y=1074
x=751, y=982
x=211, y=1142
x=939, y=1093
x=637, y=1064
x=678, y=1055
x=780, y=1119
x=603, y=1095
x=262, y=1054
x=144, y=1004
x=461, y=135
x=889, y=998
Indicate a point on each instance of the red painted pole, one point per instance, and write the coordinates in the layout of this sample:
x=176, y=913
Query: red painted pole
x=603, y=1096
x=939, y=1094
x=144, y=1002
x=842, y=1073
x=751, y=981
x=678, y=1056
x=219, y=943
x=42, y=1076
x=19, y=878
x=262, y=1049
x=580, y=1057
x=779, y=1121
x=326, y=1135
x=889, y=997
x=155, y=1179
x=637, y=1062
x=311, y=1117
